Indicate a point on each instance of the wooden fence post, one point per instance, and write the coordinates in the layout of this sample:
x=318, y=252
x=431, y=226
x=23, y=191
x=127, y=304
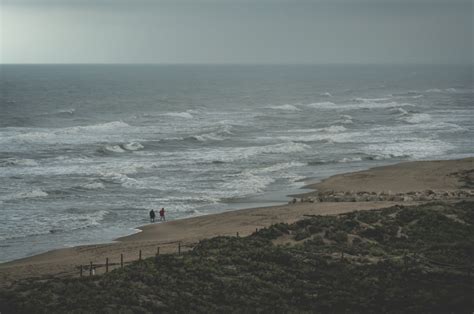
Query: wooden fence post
x=256, y=230
x=179, y=248
x=106, y=264
x=140, y=255
x=405, y=261
x=80, y=271
x=157, y=251
x=90, y=269
x=121, y=260
x=237, y=234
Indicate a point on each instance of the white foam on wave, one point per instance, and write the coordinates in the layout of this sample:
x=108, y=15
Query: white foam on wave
x=408, y=94
x=61, y=222
x=184, y=115
x=24, y=195
x=359, y=103
x=253, y=181
x=366, y=104
x=107, y=126
x=424, y=126
x=438, y=90
x=114, y=148
x=207, y=137
x=289, y=147
x=230, y=154
x=219, y=133
x=418, y=118
x=278, y=167
x=326, y=94
x=93, y=186
x=345, y=119
x=333, y=134
x=123, y=180
x=246, y=183
x=349, y=159
x=322, y=105
x=76, y=134
x=286, y=107
x=413, y=148
x=68, y=111
x=200, y=198
x=122, y=148
x=334, y=129
x=133, y=146
x=369, y=100
x=401, y=111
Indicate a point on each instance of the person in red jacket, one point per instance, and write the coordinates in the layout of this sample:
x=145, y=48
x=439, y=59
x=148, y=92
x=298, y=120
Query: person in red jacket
x=162, y=214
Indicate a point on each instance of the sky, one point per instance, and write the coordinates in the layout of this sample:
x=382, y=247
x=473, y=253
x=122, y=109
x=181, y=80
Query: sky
x=237, y=31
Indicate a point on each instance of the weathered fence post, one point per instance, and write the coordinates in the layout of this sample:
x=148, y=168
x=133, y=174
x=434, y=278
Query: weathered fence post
x=256, y=230
x=90, y=269
x=405, y=261
x=140, y=255
x=237, y=234
x=179, y=248
x=80, y=271
x=121, y=260
x=157, y=251
x=106, y=264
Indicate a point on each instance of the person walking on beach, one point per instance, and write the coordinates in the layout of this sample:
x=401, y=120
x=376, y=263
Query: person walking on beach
x=162, y=214
x=152, y=215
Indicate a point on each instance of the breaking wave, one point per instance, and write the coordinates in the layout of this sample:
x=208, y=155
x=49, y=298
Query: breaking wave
x=286, y=107
x=184, y=115
x=132, y=146
x=121, y=148
x=418, y=118
x=69, y=134
x=322, y=105
x=345, y=119
x=219, y=135
x=23, y=195
x=400, y=111
x=113, y=149
x=93, y=186
x=334, y=129
x=415, y=148
x=358, y=103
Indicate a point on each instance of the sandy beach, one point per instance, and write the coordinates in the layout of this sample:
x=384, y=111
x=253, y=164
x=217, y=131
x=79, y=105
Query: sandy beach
x=447, y=179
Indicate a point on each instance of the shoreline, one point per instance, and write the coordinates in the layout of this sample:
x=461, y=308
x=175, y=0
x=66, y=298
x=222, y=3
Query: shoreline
x=445, y=175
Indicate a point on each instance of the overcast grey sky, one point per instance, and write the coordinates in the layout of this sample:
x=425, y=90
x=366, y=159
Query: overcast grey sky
x=237, y=31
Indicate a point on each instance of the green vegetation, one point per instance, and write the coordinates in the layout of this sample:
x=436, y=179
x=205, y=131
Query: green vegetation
x=401, y=259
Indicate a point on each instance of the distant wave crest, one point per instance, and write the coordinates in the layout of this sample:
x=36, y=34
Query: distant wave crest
x=286, y=107
x=184, y=115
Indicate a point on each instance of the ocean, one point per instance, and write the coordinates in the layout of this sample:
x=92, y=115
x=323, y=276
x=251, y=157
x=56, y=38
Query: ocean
x=87, y=150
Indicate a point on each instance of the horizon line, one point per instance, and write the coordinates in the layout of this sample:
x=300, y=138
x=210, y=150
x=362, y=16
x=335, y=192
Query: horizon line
x=238, y=63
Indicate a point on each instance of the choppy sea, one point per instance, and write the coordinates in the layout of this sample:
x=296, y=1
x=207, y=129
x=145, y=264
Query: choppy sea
x=87, y=150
